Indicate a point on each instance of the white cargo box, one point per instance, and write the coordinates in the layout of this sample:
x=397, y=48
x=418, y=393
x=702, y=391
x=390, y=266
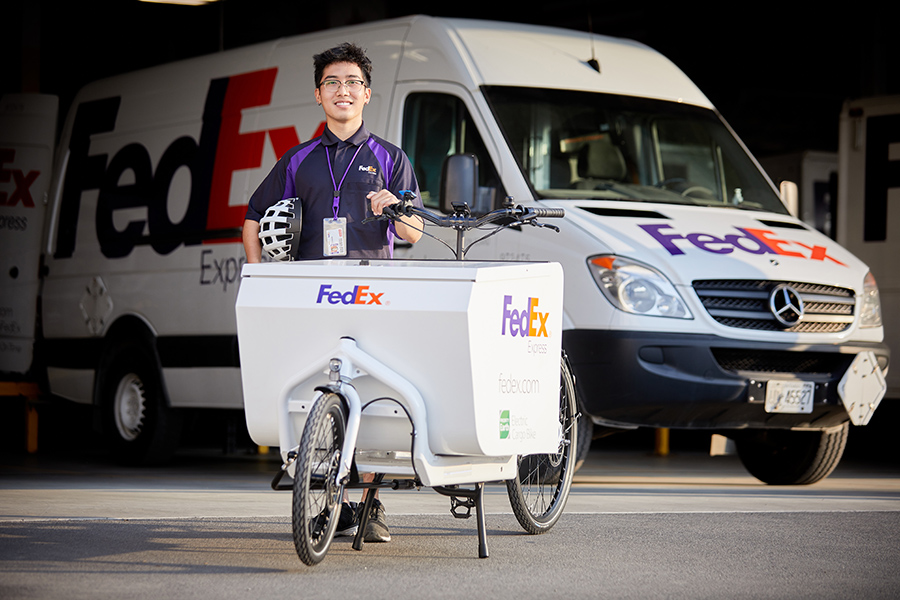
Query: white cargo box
x=480, y=342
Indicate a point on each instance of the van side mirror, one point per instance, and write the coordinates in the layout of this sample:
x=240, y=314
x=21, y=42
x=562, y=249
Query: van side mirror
x=459, y=181
x=790, y=197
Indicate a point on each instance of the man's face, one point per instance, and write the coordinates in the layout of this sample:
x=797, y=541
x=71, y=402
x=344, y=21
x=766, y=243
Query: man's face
x=342, y=104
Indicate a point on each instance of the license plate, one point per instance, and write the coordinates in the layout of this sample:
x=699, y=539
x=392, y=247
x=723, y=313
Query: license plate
x=795, y=397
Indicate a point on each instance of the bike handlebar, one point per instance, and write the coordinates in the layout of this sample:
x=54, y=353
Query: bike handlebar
x=462, y=220
x=549, y=213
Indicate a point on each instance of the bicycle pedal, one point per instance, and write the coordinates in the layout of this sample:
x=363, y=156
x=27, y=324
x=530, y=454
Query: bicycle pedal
x=466, y=503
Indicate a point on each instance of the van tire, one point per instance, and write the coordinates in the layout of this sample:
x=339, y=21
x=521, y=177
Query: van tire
x=782, y=457
x=139, y=427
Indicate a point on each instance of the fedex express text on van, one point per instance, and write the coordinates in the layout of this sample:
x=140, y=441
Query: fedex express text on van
x=753, y=241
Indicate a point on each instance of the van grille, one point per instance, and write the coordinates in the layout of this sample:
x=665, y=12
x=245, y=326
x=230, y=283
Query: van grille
x=744, y=304
x=778, y=361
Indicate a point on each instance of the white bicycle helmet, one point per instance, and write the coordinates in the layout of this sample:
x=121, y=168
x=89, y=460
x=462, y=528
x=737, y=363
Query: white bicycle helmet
x=279, y=229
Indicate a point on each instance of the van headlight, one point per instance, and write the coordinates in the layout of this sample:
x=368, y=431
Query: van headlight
x=870, y=307
x=637, y=288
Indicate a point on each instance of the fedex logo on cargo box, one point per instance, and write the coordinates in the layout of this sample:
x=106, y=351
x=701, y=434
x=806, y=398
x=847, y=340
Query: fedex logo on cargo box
x=752, y=241
x=524, y=322
x=359, y=294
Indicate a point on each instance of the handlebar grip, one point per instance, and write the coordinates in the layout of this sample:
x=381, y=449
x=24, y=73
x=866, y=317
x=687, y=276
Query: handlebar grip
x=549, y=213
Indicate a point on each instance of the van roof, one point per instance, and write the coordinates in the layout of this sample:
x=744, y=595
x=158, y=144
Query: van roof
x=468, y=52
x=517, y=54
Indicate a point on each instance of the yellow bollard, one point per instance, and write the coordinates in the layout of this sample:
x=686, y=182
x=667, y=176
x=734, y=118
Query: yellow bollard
x=30, y=392
x=31, y=428
x=662, y=442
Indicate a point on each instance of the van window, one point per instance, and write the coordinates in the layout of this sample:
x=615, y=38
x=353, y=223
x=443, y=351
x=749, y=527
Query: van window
x=436, y=126
x=606, y=147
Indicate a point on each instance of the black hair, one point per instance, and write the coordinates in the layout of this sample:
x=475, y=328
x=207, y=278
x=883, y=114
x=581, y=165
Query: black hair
x=346, y=52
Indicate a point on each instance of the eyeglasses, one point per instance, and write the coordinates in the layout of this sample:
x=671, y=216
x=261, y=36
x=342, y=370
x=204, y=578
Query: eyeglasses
x=333, y=85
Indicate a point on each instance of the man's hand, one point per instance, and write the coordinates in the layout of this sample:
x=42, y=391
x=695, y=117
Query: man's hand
x=408, y=228
x=381, y=199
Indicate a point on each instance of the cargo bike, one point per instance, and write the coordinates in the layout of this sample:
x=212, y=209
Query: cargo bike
x=439, y=373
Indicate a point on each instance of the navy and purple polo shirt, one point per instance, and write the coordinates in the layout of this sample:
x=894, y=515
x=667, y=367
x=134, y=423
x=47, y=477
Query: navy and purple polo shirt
x=361, y=164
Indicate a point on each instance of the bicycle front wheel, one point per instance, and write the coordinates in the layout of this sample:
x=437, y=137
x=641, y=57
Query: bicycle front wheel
x=540, y=489
x=317, y=496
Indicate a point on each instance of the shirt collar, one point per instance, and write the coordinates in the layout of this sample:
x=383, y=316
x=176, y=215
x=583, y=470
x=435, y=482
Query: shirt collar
x=360, y=137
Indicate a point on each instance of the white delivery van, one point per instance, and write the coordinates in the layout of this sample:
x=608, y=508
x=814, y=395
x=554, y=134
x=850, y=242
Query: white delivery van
x=693, y=299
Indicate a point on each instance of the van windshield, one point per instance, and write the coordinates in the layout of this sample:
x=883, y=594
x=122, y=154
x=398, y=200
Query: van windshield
x=582, y=145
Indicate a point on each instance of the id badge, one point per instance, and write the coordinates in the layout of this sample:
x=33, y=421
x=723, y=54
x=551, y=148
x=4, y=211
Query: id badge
x=335, y=237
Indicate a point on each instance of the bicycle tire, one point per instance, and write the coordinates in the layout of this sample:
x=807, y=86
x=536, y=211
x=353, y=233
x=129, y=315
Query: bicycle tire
x=317, y=498
x=539, y=491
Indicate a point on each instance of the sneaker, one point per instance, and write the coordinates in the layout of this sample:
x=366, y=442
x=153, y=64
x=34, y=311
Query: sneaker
x=347, y=522
x=376, y=528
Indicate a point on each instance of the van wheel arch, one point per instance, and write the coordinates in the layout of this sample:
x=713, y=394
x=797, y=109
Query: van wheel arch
x=138, y=424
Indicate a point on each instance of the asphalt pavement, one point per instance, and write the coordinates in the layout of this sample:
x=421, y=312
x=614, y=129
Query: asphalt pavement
x=636, y=526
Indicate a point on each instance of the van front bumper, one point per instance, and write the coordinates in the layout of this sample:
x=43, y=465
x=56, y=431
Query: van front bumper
x=651, y=379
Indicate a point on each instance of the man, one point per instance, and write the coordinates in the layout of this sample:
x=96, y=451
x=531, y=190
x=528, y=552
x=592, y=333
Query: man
x=339, y=177
x=339, y=174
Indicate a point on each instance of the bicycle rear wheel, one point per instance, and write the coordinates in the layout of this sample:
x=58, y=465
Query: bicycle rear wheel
x=539, y=491
x=317, y=497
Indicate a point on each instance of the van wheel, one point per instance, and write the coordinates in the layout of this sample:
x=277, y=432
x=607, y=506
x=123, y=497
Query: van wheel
x=781, y=457
x=138, y=425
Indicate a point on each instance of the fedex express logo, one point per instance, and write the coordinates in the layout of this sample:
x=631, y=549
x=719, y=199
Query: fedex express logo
x=360, y=294
x=527, y=322
x=753, y=241
x=129, y=180
x=21, y=181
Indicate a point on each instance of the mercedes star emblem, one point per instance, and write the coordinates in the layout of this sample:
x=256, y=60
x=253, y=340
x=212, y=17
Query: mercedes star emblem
x=786, y=305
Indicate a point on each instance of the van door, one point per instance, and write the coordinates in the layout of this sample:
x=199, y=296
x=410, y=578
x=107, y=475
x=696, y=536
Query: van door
x=439, y=120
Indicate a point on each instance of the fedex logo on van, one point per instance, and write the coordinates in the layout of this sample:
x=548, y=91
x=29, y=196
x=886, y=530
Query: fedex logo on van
x=360, y=294
x=20, y=180
x=752, y=241
x=527, y=322
x=133, y=194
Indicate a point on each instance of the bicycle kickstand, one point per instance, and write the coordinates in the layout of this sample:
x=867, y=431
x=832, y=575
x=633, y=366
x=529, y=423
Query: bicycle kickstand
x=473, y=498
